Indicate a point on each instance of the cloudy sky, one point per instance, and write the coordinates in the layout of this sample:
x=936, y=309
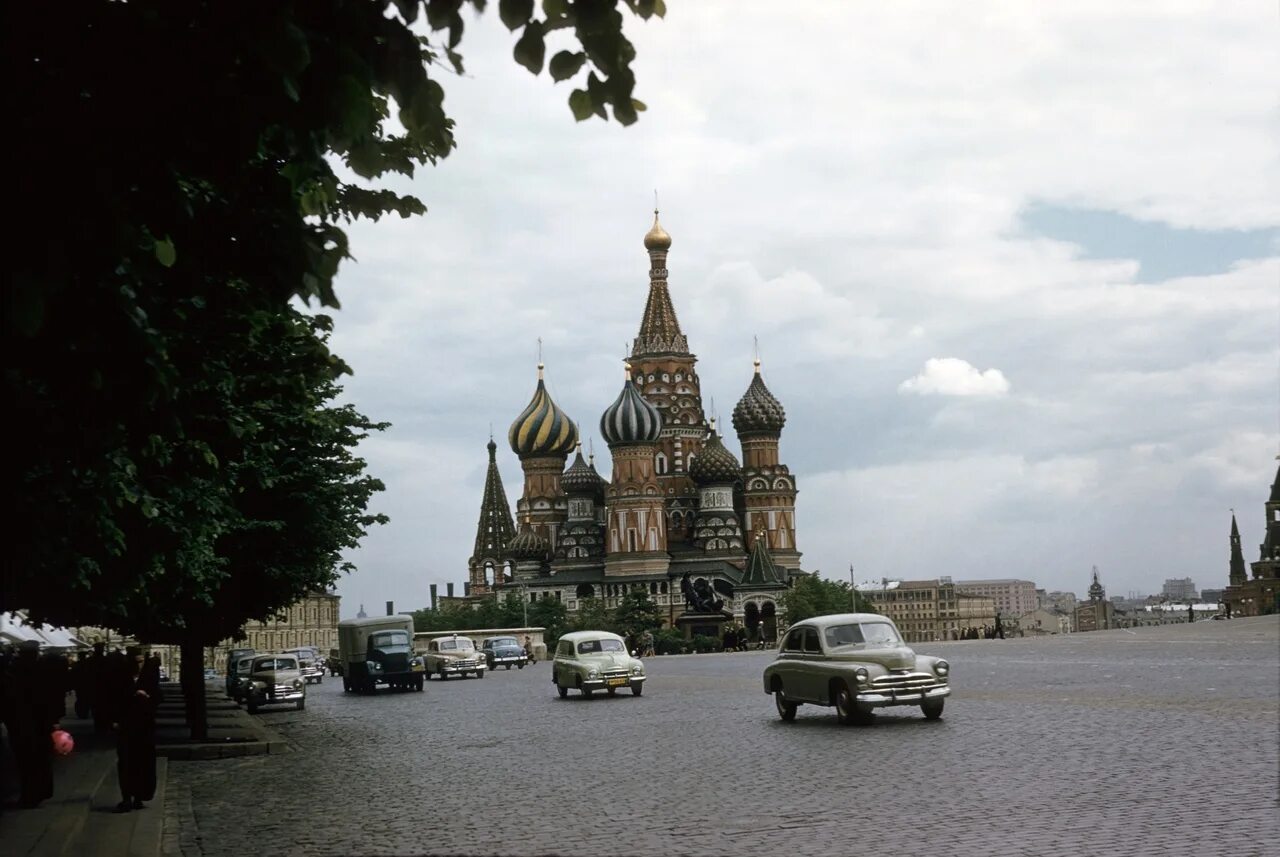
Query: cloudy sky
x=1014, y=270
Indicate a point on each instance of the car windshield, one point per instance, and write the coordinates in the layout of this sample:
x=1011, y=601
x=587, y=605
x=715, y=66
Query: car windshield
x=869, y=633
x=591, y=647
x=457, y=645
x=503, y=641
x=275, y=664
x=389, y=639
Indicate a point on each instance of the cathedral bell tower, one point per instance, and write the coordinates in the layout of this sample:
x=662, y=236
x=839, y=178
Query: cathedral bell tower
x=493, y=532
x=542, y=437
x=636, y=532
x=665, y=375
x=769, y=490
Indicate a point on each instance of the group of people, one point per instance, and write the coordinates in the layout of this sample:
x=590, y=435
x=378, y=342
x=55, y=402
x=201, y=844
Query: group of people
x=118, y=690
x=641, y=644
x=737, y=638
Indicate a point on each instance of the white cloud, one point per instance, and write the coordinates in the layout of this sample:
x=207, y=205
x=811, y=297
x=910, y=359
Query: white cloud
x=951, y=376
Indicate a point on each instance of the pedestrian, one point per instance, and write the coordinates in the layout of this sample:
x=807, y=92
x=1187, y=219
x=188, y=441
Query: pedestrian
x=646, y=642
x=137, y=691
x=528, y=648
x=999, y=629
x=28, y=717
x=1191, y=614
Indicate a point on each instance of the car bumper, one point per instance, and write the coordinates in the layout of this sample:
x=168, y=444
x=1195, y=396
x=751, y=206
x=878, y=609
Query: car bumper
x=604, y=682
x=469, y=668
x=906, y=696
x=281, y=698
x=499, y=660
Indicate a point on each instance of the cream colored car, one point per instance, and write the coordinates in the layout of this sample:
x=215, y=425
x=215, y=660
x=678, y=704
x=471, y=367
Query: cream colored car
x=595, y=660
x=454, y=655
x=856, y=662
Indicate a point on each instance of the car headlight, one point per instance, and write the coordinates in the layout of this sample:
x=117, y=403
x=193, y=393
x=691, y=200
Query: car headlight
x=637, y=670
x=417, y=662
x=374, y=666
x=297, y=683
x=941, y=668
x=861, y=675
x=592, y=673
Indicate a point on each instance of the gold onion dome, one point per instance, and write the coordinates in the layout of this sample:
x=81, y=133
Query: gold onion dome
x=758, y=412
x=542, y=428
x=630, y=419
x=657, y=237
x=581, y=477
x=715, y=464
x=527, y=544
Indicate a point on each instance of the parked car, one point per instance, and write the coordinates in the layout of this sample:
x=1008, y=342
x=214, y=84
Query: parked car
x=210, y=674
x=239, y=677
x=503, y=651
x=856, y=662
x=453, y=655
x=233, y=660
x=275, y=680
x=309, y=662
x=595, y=660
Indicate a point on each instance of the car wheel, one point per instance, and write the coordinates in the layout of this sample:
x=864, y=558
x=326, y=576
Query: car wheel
x=417, y=684
x=637, y=689
x=521, y=666
x=301, y=704
x=932, y=708
x=508, y=666
x=846, y=703
x=346, y=686
x=443, y=677
x=562, y=690
x=480, y=673
x=613, y=691
x=786, y=708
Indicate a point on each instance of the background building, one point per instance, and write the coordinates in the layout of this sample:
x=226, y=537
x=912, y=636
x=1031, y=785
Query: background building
x=1261, y=594
x=1180, y=589
x=930, y=610
x=1012, y=597
x=1096, y=614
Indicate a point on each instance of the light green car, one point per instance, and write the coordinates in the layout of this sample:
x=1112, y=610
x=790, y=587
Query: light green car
x=856, y=662
x=595, y=660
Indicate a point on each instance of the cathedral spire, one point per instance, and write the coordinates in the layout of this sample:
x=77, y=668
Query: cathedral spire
x=761, y=570
x=496, y=527
x=1237, y=573
x=659, y=328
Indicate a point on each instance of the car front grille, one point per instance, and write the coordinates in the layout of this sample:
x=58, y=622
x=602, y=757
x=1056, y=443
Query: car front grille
x=282, y=690
x=464, y=665
x=616, y=674
x=904, y=680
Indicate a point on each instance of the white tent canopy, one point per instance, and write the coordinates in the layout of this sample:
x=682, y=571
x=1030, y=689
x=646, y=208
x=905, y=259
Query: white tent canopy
x=15, y=628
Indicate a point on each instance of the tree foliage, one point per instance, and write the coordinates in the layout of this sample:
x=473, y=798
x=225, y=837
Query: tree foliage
x=182, y=467
x=811, y=596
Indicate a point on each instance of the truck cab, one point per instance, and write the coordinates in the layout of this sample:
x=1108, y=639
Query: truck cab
x=378, y=650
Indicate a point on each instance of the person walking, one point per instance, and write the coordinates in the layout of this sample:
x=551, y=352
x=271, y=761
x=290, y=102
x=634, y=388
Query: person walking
x=29, y=719
x=528, y=648
x=137, y=691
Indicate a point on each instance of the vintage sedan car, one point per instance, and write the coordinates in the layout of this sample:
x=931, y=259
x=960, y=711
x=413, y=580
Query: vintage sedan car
x=856, y=662
x=309, y=662
x=453, y=655
x=275, y=680
x=238, y=678
x=503, y=651
x=595, y=660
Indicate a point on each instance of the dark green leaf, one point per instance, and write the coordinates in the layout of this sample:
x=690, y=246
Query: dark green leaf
x=566, y=64
x=531, y=48
x=166, y=254
x=580, y=104
x=515, y=13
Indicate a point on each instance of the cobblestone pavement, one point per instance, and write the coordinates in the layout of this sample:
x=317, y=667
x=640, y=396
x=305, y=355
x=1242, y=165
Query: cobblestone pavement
x=1158, y=741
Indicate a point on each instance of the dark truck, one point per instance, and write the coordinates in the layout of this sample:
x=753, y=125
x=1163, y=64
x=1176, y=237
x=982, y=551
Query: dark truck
x=378, y=650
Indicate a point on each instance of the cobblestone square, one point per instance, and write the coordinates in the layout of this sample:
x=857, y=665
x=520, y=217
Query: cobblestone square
x=1160, y=740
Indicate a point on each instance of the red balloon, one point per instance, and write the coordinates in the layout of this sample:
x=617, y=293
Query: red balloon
x=63, y=743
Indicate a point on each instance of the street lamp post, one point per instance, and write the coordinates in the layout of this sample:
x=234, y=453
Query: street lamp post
x=853, y=591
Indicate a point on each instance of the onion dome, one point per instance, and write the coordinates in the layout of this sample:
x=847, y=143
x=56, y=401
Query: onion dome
x=527, y=544
x=758, y=412
x=542, y=428
x=715, y=464
x=581, y=477
x=657, y=237
x=630, y=419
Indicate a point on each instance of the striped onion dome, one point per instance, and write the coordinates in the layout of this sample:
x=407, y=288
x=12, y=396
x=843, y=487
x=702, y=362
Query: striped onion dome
x=542, y=428
x=715, y=464
x=581, y=477
x=758, y=412
x=630, y=419
x=527, y=544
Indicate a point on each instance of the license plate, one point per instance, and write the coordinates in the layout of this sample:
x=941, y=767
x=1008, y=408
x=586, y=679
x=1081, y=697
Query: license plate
x=616, y=682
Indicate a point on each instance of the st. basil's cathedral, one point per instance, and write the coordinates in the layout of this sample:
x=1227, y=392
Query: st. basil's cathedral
x=710, y=539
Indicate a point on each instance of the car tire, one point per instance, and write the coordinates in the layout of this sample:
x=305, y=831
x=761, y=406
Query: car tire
x=637, y=689
x=786, y=708
x=562, y=690
x=521, y=666
x=845, y=702
x=301, y=704
x=932, y=708
x=443, y=677
x=480, y=673
x=612, y=691
x=418, y=683
x=508, y=666
x=346, y=686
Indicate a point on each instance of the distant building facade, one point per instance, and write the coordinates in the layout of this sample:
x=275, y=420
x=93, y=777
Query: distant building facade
x=1012, y=597
x=1260, y=595
x=313, y=621
x=1180, y=589
x=930, y=610
x=1096, y=614
x=1057, y=602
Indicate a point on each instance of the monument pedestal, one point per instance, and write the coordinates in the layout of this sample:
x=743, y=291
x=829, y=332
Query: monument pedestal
x=704, y=624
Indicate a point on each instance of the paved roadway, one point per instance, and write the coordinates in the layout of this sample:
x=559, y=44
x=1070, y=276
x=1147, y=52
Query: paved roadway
x=1158, y=741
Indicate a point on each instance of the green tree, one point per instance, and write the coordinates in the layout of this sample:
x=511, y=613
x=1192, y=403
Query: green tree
x=550, y=615
x=205, y=201
x=637, y=613
x=810, y=596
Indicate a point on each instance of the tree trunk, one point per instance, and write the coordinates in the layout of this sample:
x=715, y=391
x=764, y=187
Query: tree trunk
x=193, y=688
